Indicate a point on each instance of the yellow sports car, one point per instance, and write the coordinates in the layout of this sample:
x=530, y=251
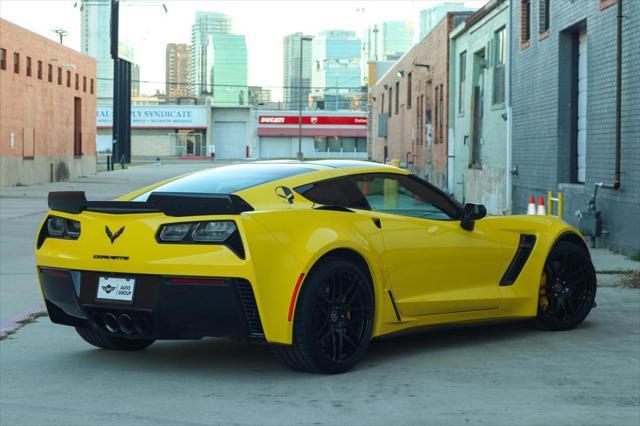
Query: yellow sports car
x=315, y=258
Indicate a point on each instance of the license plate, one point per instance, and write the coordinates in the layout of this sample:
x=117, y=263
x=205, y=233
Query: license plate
x=118, y=289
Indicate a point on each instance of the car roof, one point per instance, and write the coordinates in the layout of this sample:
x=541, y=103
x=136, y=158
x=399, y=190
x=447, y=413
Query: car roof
x=247, y=177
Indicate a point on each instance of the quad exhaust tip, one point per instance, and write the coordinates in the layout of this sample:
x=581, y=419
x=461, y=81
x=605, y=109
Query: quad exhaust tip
x=123, y=323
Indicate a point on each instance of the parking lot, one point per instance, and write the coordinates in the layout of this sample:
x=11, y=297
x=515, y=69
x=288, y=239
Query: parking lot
x=491, y=375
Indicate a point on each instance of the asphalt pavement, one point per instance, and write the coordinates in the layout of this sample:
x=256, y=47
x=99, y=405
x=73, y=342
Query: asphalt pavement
x=491, y=375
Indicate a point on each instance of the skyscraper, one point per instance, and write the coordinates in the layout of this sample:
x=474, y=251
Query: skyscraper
x=388, y=40
x=135, y=80
x=336, y=74
x=177, y=70
x=292, y=79
x=205, y=25
x=226, y=68
x=95, y=41
x=430, y=17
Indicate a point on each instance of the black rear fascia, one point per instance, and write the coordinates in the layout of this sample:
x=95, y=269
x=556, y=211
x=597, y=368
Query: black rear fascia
x=170, y=203
x=525, y=248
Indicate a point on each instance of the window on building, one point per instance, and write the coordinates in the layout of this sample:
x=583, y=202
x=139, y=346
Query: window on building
x=28, y=66
x=525, y=22
x=84, y=83
x=390, y=98
x=462, y=73
x=49, y=73
x=397, y=97
x=91, y=86
x=77, y=82
x=39, y=70
x=441, y=122
x=544, y=14
x=436, y=114
x=16, y=62
x=382, y=104
x=409, y=78
x=3, y=59
x=499, y=60
x=68, y=78
x=59, y=75
x=320, y=143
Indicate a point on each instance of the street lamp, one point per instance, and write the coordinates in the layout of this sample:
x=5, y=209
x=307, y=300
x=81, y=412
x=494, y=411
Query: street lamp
x=300, y=155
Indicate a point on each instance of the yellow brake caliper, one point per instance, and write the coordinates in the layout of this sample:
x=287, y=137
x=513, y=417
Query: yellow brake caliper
x=542, y=300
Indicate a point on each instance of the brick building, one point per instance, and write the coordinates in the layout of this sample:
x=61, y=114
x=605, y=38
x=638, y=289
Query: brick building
x=409, y=103
x=478, y=108
x=47, y=109
x=564, y=110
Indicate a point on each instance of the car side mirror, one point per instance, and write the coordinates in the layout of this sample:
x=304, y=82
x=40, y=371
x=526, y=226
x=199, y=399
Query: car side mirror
x=470, y=214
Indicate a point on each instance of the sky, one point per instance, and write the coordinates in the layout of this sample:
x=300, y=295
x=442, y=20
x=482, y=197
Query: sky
x=148, y=28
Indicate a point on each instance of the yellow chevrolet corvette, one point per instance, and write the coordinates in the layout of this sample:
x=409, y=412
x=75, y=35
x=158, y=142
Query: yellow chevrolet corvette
x=315, y=258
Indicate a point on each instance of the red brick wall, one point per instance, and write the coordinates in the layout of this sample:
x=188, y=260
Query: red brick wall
x=40, y=113
x=403, y=136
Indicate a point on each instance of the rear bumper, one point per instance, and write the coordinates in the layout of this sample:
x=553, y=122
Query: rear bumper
x=163, y=307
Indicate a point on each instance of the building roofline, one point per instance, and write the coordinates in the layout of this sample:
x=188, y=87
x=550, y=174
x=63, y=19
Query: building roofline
x=485, y=10
x=45, y=39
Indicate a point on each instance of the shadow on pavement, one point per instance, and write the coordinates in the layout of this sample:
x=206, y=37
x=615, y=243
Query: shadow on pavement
x=228, y=357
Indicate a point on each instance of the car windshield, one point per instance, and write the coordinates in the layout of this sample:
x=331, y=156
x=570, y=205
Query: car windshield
x=229, y=179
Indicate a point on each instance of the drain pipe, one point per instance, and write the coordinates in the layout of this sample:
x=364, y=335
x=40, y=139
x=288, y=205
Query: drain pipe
x=616, y=183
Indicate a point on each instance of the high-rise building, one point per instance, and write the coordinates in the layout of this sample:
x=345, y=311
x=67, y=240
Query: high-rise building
x=259, y=95
x=292, y=79
x=226, y=67
x=388, y=40
x=205, y=25
x=336, y=73
x=135, y=80
x=177, y=70
x=430, y=17
x=95, y=41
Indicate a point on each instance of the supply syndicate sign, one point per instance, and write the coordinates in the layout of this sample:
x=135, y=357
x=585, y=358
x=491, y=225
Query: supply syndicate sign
x=311, y=120
x=158, y=116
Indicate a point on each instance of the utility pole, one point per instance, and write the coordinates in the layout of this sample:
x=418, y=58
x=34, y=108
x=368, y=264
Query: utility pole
x=300, y=155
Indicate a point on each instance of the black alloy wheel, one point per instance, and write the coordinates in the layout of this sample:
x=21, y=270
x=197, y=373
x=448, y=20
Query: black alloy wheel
x=567, y=288
x=333, y=321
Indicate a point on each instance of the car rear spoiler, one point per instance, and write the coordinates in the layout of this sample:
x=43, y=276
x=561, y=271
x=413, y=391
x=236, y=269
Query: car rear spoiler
x=169, y=203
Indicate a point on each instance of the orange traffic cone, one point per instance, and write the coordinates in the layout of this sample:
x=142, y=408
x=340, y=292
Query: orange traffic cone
x=541, y=210
x=531, y=208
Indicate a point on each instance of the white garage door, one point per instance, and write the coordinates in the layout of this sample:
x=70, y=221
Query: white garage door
x=276, y=147
x=230, y=139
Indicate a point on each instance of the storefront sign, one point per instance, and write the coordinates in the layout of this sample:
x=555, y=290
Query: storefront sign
x=310, y=120
x=158, y=116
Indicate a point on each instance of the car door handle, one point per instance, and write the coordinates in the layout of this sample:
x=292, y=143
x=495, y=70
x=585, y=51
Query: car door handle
x=376, y=221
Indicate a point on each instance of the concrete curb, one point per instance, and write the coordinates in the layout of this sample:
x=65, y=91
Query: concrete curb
x=13, y=324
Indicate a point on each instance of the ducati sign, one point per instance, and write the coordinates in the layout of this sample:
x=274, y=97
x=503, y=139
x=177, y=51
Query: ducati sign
x=321, y=120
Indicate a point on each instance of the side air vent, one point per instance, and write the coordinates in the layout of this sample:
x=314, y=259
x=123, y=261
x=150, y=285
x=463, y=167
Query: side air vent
x=527, y=242
x=248, y=300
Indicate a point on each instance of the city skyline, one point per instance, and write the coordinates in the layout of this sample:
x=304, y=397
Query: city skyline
x=265, y=27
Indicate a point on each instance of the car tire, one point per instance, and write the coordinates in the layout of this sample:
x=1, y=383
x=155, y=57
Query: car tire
x=567, y=288
x=333, y=319
x=102, y=340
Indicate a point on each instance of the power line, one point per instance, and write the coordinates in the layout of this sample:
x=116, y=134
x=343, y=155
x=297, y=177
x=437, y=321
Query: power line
x=177, y=83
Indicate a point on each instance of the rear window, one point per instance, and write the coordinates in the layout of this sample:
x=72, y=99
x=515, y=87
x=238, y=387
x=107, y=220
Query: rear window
x=228, y=179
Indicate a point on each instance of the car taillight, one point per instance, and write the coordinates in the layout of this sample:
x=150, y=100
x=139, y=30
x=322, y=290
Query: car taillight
x=60, y=227
x=216, y=231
